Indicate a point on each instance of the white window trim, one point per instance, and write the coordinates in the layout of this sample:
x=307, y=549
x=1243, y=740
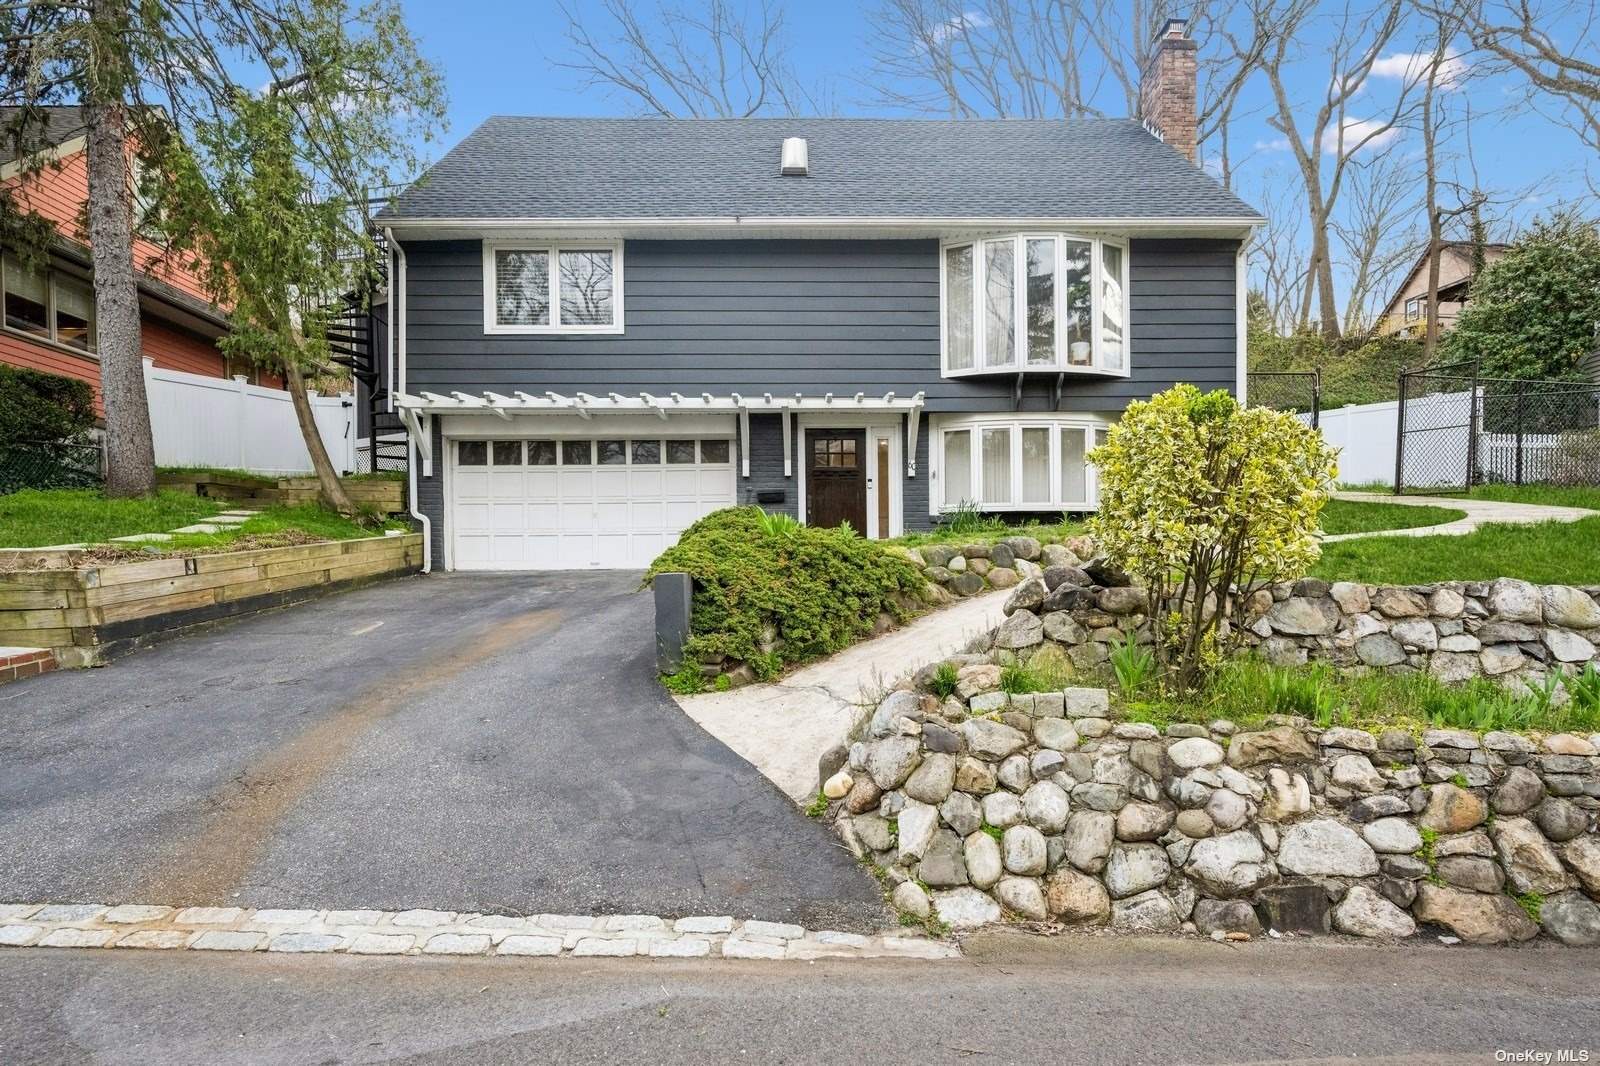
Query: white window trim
x=1020, y=365
x=939, y=425
x=553, y=249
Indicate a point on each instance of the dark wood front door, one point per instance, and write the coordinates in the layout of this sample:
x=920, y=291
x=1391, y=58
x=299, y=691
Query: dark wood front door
x=836, y=480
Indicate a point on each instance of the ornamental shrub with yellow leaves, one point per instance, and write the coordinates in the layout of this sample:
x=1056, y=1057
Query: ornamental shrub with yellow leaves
x=1201, y=502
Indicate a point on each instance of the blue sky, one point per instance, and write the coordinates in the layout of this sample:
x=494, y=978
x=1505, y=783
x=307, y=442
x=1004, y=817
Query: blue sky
x=503, y=58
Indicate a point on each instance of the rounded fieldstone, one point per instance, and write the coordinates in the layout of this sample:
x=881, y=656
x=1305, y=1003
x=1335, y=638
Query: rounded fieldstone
x=1363, y=912
x=1196, y=824
x=1076, y=898
x=910, y=898
x=1226, y=916
x=961, y=813
x=1519, y=791
x=1135, y=868
x=1089, y=836
x=965, y=908
x=1014, y=773
x=933, y=780
x=1324, y=847
x=1046, y=764
x=1227, y=809
x=1001, y=809
x=982, y=854
x=1561, y=820
x=1023, y=896
x=1452, y=809
x=1193, y=753
x=1231, y=865
x=1392, y=836
x=1045, y=806
x=1022, y=849
x=1571, y=919
x=1143, y=821
x=1469, y=871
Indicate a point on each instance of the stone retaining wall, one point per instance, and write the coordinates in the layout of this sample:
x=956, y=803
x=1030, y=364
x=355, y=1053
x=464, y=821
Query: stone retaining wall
x=984, y=806
x=1505, y=629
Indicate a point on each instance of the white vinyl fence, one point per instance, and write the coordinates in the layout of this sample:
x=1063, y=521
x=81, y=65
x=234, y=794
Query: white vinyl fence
x=1365, y=437
x=201, y=421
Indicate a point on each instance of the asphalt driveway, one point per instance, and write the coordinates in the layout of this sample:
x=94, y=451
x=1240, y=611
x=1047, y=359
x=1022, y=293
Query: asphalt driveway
x=486, y=743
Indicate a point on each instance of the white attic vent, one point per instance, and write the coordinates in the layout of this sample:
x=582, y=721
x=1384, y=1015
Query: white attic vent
x=794, y=157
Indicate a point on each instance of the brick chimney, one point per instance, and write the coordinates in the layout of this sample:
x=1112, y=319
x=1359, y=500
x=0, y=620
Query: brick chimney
x=1167, y=87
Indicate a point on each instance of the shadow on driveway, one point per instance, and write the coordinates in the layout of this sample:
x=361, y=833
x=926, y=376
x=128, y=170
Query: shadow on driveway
x=491, y=743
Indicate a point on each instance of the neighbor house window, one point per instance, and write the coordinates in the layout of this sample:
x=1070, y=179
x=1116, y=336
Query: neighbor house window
x=48, y=305
x=552, y=288
x=1043, y=302
x=1022, y=462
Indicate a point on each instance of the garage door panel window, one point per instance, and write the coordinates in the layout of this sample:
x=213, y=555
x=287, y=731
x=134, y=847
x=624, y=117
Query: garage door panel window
x=612, y=452
x=541, y=453
x=680, y=452
x=714, y=451
x=472, y=453
x=1023, y=464
x=507, y=453
x=646, y=452
x=577, y=453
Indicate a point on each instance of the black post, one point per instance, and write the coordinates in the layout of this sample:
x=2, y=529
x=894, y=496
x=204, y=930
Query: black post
x=1472, y=430
x=1400, y=434
x=1522, y=392
x=1316, y=399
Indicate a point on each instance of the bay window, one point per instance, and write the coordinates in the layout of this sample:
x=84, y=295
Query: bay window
x=539, y=288
x=1016, y=462
x=1035, y=302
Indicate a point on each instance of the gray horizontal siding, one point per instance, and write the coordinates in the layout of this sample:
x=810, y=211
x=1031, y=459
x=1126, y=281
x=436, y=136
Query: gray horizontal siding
x=803, y=316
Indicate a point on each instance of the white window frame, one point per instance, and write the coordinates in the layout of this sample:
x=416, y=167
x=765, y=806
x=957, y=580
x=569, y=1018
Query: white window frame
x=553, y=249
x=1017, y=423
x=980, y=363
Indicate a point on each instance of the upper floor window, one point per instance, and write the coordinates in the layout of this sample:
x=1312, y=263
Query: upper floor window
x=552, y=288
x=1035, y=302
x=48, y=304
x=1413, y=309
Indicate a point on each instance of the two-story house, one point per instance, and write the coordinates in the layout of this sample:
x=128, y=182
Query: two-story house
x=1406, y=313
x=607, y=328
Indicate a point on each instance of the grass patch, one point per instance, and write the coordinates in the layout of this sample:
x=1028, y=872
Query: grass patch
x=1247, y=690
x=220, y=471
x=986, y=529
x=1019, y=678
x=1360, y=516
x=1560, y=553
x=34, y=518
x=1550, y=495
x=377, y=475
x=946, y=676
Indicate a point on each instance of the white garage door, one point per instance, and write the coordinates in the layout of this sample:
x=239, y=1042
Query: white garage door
x=554, y=504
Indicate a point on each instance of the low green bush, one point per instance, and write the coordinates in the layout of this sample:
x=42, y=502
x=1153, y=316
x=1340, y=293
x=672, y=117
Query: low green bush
x=817, y=589
x=41, y=408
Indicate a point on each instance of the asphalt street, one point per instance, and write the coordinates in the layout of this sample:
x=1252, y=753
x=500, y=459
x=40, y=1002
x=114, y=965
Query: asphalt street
x=1072, y=1000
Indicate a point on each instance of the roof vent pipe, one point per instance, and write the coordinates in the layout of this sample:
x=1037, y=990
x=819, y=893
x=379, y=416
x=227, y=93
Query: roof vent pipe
x=794, y=157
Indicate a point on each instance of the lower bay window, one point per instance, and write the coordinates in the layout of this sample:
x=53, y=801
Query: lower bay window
x=1016, y=463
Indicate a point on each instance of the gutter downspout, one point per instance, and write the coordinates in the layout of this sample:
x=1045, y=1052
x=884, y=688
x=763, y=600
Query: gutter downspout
x=397, y=343
x=388, y=237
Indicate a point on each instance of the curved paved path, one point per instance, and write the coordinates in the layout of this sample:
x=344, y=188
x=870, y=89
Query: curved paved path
x=493, y=743
x=1478, y=512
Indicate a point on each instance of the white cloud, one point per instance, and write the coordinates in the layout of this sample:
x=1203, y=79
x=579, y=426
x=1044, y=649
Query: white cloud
x=957, y=24
x=1356, y=134
x=1277, y=144
x=1412, y=67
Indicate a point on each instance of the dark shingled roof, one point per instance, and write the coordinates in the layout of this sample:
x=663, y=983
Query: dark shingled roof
x=576, y=168
x=47, y=127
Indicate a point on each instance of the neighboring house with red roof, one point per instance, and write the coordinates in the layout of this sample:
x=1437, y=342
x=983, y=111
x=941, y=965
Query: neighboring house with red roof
x=49, y=321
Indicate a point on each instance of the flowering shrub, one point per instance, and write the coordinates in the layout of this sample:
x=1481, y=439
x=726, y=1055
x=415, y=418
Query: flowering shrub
x=1201, y=498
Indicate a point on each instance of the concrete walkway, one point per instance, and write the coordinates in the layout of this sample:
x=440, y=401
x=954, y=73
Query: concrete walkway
x=1478, y=513
x=783, y=728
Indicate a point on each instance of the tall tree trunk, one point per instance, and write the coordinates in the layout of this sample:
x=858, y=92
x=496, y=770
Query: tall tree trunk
x=333, y=494
x=130, y=450
x=1430, y=325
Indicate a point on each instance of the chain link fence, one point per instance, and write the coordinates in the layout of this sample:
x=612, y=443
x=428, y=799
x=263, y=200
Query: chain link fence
x=1295, y=391
x=1456, y=428
x=385, y=455
x=50, y=465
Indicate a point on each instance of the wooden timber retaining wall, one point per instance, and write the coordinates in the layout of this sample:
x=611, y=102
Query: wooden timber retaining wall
x=385, y=495
x=89, y=614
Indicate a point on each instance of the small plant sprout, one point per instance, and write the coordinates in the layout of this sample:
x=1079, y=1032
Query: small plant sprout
x=946, y=676
x=1133, y=665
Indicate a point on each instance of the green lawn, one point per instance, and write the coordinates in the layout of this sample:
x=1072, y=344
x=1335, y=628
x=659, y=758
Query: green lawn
x=1359, y=516
x=1553, y=495
x=1563, y=553
x=33, y=518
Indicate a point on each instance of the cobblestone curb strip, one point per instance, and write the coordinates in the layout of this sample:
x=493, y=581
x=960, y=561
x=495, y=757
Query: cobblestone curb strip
x=431, y=932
